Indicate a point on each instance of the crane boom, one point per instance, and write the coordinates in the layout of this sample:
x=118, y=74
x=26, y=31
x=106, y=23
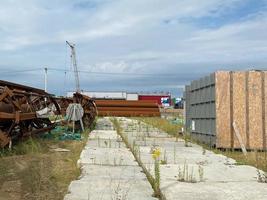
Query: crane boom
x=74, y=64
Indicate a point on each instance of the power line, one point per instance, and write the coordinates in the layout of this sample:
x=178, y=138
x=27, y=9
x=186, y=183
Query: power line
x=95, y=72
x=115, y=73
x=21, y=71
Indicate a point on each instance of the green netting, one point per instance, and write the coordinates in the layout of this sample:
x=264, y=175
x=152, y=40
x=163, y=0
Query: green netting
x=62, y=133
x=178, y=121
x=70, y=136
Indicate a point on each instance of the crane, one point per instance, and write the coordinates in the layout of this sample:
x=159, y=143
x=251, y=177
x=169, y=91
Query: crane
x=74, y=65
x=75, y=110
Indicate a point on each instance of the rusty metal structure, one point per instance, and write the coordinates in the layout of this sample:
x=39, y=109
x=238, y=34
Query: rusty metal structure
x=127, y=108
x=89, y=106
x=19, y=106
x=25, y=111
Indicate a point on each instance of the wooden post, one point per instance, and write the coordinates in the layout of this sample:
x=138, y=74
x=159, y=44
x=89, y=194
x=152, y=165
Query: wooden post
x=238, y=136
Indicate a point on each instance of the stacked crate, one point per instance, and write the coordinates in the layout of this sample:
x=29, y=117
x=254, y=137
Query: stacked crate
x=200, y=109
x=226, y=104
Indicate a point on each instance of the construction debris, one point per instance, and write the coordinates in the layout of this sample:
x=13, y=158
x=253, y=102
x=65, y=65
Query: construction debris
x=19, y=106
x=89, y=107
x=25, y=111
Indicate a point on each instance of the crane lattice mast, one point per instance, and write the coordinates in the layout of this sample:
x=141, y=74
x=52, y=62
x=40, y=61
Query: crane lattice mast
x=74, y=65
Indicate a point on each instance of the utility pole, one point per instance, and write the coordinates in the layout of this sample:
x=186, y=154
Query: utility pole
x=45, y=82
x=74, y=64
x=45, y=79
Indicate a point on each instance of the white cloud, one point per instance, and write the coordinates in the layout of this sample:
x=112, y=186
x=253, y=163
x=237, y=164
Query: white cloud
x=139, y=36
x=40, y=22
x=110, y=67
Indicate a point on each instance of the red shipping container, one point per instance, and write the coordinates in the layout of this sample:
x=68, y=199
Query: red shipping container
x=156, y=98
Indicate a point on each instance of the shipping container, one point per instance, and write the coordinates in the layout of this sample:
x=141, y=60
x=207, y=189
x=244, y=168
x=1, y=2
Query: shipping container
x=162, y=99
x=132, y=96
x=227, y=109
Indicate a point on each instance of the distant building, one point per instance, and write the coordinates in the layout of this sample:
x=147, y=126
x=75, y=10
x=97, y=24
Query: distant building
x=103, y=95
x=163, y=99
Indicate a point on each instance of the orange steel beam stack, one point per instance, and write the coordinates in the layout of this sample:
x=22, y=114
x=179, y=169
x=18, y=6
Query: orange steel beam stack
x=124, y=108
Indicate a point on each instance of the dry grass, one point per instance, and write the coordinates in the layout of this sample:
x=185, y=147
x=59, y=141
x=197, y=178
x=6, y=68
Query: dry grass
x=32, y=171
x=257, y=159
x=254, y=158
x=162, y=124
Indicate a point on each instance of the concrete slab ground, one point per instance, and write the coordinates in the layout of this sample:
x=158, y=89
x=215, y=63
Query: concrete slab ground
x=109, y=170
x=208, y=175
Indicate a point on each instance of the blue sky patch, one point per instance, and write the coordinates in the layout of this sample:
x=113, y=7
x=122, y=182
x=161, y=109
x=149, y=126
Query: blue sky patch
x=87, y=4
x=222, y=16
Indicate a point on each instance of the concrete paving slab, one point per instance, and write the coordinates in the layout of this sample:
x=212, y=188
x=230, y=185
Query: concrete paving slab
x=103, y=134
x=109, y=170
x=108, y=189
x=230, y=173
x=105, y=143
x=107, y=156
x=214, y=191
x=220, y=179
x=113, y=172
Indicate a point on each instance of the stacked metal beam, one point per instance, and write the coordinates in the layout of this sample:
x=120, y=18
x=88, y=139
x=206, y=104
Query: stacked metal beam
x=124, y=108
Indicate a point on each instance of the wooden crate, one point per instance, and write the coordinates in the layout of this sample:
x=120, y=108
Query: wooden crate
x=241, y=99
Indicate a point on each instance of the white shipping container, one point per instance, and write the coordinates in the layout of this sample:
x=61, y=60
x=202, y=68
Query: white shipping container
x=132, y=96
x=102, y=95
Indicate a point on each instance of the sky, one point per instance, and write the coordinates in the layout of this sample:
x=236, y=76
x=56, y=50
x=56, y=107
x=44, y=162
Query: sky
x=129, y=45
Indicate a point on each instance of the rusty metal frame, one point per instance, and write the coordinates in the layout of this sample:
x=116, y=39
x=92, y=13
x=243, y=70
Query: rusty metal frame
x=18, y=106
x=89, y=106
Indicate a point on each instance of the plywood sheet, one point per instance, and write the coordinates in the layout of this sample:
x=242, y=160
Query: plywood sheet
x=222, y=95
x=239, y=106
x=255, y=110
x=265, y=101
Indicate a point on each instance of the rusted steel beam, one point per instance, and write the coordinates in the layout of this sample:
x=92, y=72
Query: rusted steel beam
x=16, y=86
x=127, y=109
x=17, y=116
x=125, y=103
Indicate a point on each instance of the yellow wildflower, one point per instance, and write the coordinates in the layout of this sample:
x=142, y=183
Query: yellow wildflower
x=156, y=154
